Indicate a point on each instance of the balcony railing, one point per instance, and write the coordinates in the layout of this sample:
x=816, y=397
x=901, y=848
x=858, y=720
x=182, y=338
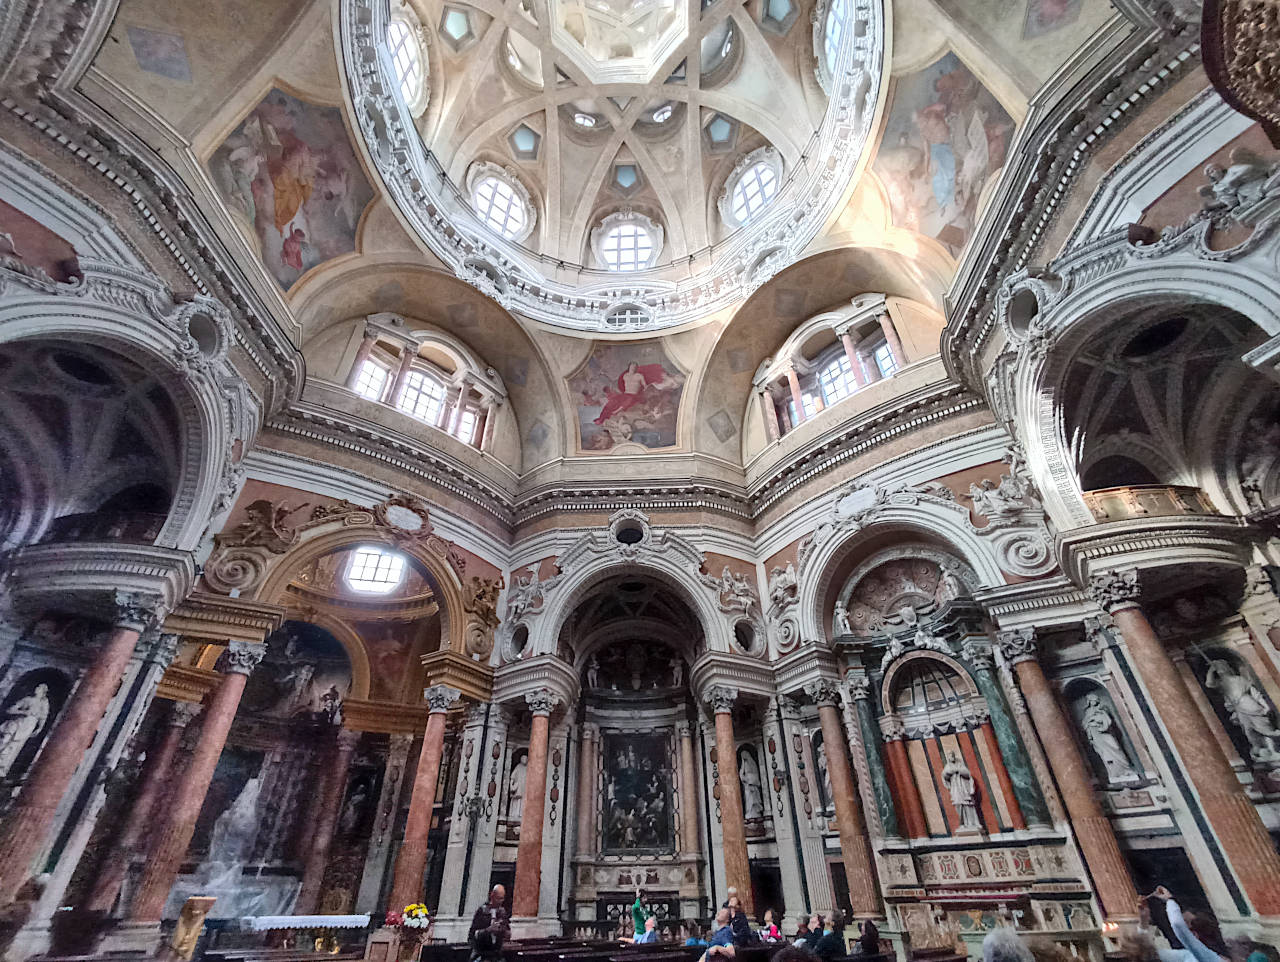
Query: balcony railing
x=1147, y=501
x=134, y=528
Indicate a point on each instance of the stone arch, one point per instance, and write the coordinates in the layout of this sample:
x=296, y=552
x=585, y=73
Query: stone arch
x=317, y=542
x=357, y=655
x=914, y=659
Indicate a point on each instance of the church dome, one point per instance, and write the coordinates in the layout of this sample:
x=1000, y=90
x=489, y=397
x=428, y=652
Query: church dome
x=615, y=165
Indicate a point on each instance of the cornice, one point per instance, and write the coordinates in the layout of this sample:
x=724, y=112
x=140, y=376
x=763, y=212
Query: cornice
x=1145, y=543
x=474, y=679
x=187, y=684
x=1039, y=603
x=217, y=619
x=386, y=717
x=1051, y=154
x=78, y=576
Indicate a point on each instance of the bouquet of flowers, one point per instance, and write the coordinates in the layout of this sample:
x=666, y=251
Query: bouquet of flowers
x=416, y=916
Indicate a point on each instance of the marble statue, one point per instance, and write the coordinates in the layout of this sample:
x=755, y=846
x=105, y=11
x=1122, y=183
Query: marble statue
x=515, y=789
x=677, y=672
x=264, y=527
x=959, y=781
x=593, y=672
x=23, y=720
x=950, y=587
x=353, y=811
x=1248, y=708
x=1099, y=728
x=782, y=585
x=840, y=621
x=824, y=774
x=236, y=828
x=1245, y=180
x=752, y=793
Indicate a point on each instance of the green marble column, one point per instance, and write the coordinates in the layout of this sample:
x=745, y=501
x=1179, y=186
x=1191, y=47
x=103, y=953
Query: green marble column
x=871, y=742
x=1016, y=760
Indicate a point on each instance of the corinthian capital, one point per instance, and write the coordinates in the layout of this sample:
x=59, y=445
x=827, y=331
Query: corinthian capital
x=1017, y=644
x=1114, y=589
x=860, y=688
x=135, y=610
x=440, y=698
x=542, y=702
x=241, y=657
x=721, y=698
x=823, y=693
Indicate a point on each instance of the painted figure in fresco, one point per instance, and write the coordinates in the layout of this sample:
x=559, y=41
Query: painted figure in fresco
x=960, y=784
x=515, y=789
x=632, y=384
x=1248, y=708
x=23, y=720
x=1099, y=728
x=752, y=793
x=840, y=621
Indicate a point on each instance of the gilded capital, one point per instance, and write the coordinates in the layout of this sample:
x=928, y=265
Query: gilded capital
x=721, y=698
x=1114, y=589
x=1017, y=644
x=242, y=657
x=823, y=693
x=440, y=698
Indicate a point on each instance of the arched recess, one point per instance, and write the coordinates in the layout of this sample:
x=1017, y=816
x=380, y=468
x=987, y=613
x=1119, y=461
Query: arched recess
x=345, y=636
x=1050, y=317
x=184, y=344
x=919, y=518
x=427, y=556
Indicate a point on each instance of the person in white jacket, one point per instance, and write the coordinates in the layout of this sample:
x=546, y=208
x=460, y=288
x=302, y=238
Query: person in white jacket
x=1193, y=950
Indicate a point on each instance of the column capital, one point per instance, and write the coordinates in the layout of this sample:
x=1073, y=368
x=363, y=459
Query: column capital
x=135, y=610
x=823, y=693
x=860, y=688
x=543, y=701
x=1118, y=588
x=720, y=698
x=476, y=714
x=183, y=713
x=242, y=657
x=1017, y=644
x=684, y=730
x=788, y=708
x=440, y=698
x=892, y=728
x=163, y=648
x=977, y=653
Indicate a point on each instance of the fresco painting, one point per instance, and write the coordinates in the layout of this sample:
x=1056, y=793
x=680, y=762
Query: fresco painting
x=627, y=393
x=945, y=135
x=290, y=169
x=1046, y=16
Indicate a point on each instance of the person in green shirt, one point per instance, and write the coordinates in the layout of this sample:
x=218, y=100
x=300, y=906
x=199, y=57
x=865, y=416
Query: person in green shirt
x=639, y=914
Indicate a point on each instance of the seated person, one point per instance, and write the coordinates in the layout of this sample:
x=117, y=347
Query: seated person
x=868, y=939
x=769, y=931
x=694, y=932
x=650, y=933
x=831, y=945
x=721, y=938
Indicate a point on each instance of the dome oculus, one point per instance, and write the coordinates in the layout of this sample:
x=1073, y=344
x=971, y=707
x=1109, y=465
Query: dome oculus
x=375, y=571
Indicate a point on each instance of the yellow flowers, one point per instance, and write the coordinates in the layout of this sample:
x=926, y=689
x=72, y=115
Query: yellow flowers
x=416, y=911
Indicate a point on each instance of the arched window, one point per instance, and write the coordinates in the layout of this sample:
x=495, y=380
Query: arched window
x=885, y=360
x=753, y=183
x=834, y=31
x=501, y=200
x=627, y=242
x=406, y=57
x=371, y=382
x=422, y=397
x=375, y=570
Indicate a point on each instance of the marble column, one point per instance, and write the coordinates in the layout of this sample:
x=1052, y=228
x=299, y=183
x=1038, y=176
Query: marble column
x=870, y=369
x=1013, y=753
x=797, y=397
x=851, y=353
x=860, y=692
x=363, y=353
x=411, y=862
x=688, y=793
x=737, y=869
x=584, y=842
x=407, y=356
x=770, y=414
x=157, y=772
x=174, y=835
x=905, y=790
x=1233, y=817
x=28, y=823
x=378, y=857
x=524, y=902
x=1092, y=827
x=855, y=846
x=894, y=342
x=455, y=416
x=326, y=821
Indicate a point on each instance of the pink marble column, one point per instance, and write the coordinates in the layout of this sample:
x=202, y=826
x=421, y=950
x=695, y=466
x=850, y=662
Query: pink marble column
x=330, y=806
x=157, y=772
x=1231, y=814
x=455, y=418
x=688, y=795
x=411, y=861
x=407, y=356
x=870, y=369
x=363, y=353
x=174, y=834
x=27, y=824
x=770, y=414
x=855, y=845
x=737, y=868
x=490, y=422
x=797, y=397
x=528, y=885
x=855, y=361
x=586, y=790
x=891, y=338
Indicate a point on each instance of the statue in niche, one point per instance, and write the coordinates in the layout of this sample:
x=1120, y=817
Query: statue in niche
x=593, y=672
x=23, y=720
x=950, y=586
x=1247, y=708
x=1099, y=728
x=752, y=793
x=353, y=811
x=960, y=784
x=840, y=621
x=515, y=789
x=824, y=776
x=677, y=671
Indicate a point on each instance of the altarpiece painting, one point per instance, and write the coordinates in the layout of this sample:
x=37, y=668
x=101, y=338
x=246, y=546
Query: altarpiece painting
x=636, y=803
